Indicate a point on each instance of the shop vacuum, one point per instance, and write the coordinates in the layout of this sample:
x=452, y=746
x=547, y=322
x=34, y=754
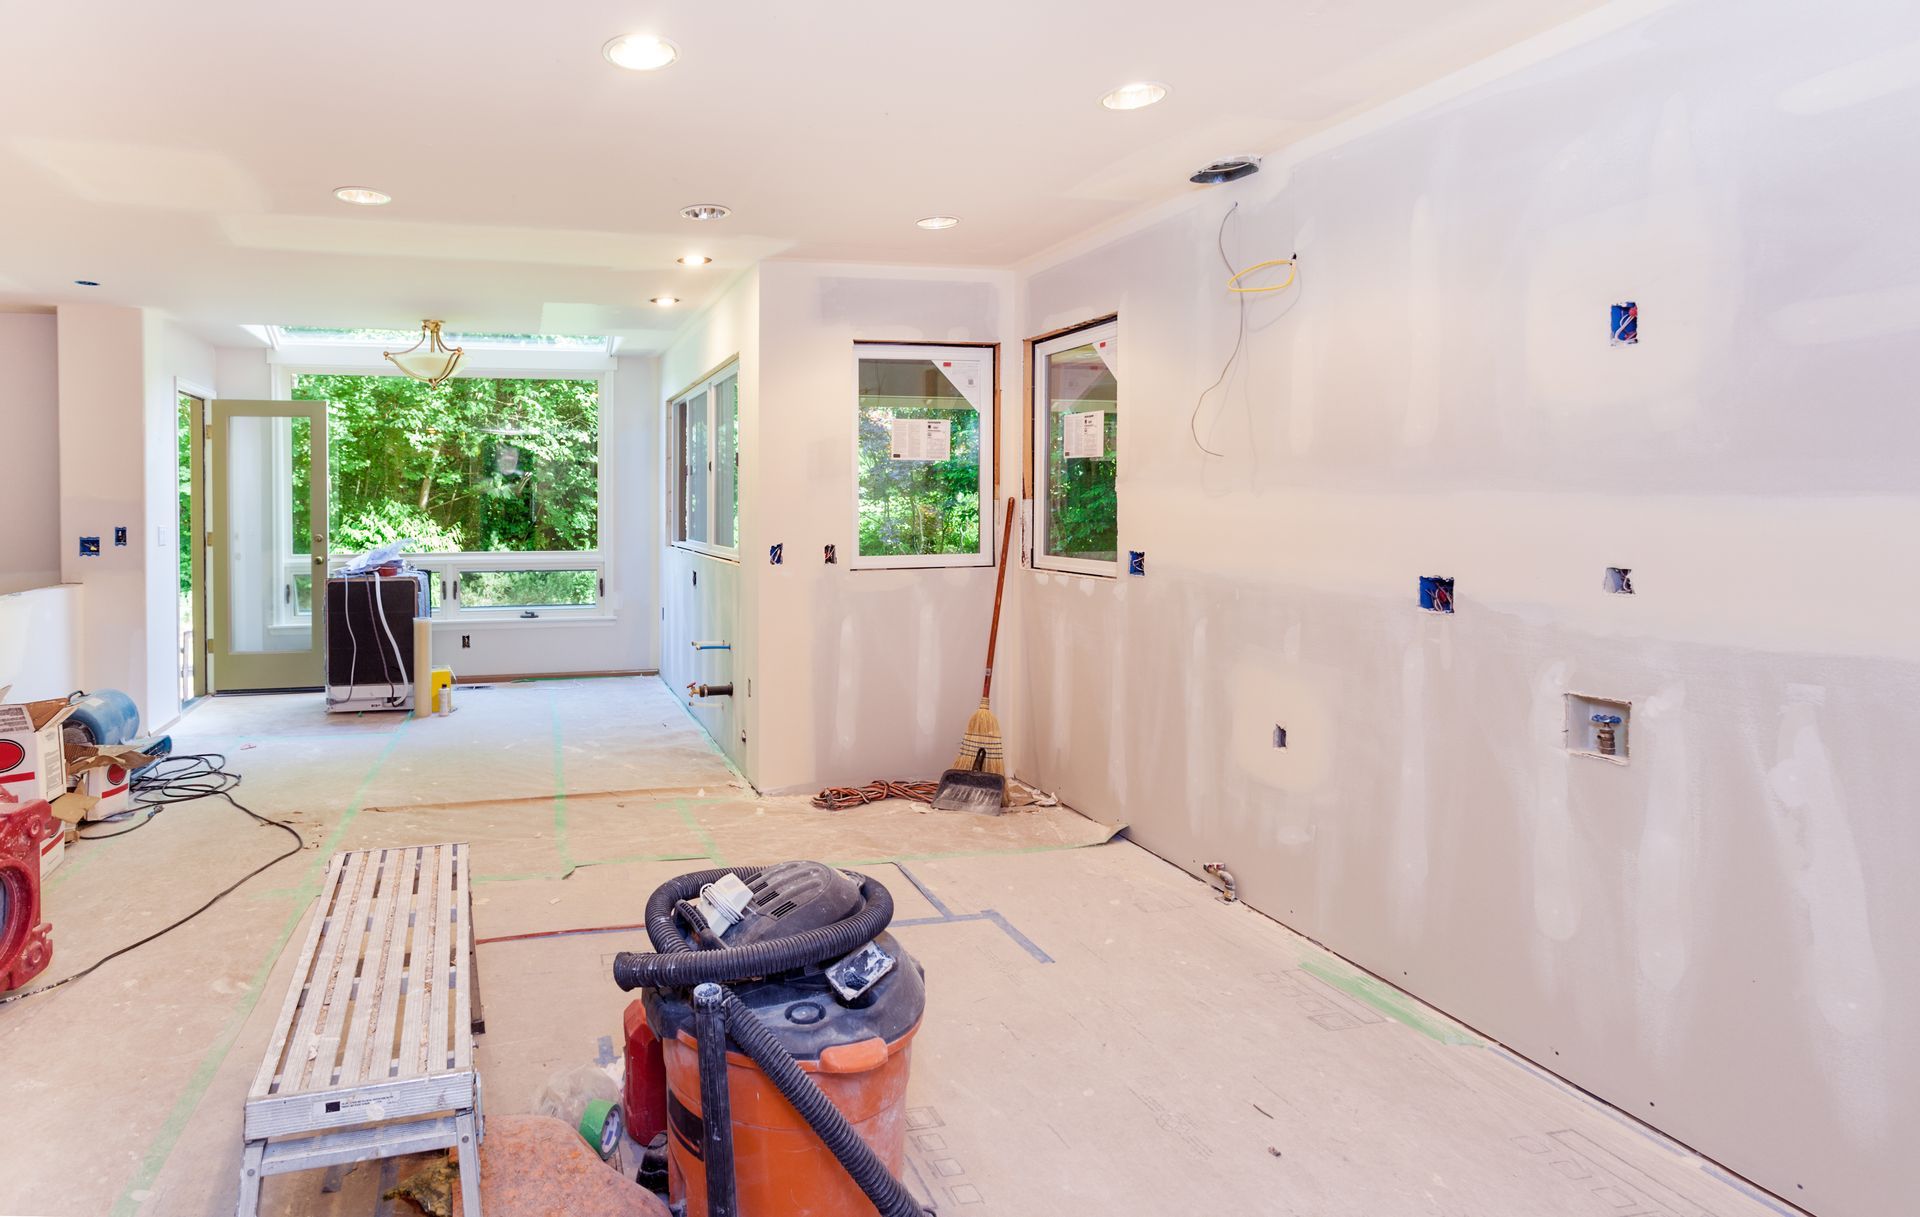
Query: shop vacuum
x=771, y=1042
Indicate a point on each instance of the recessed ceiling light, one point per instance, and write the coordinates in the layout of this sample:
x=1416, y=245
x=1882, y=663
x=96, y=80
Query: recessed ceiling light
x=87, y=282
x=664, y=301
x=360, y=196
x=938, y=222
x=693, y=260
x=706, y=211
x=640, y=52
x=1134, y=96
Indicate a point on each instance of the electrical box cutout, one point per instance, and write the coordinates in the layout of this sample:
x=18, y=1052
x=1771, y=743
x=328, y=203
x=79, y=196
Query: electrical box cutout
x=89, y=547
x=1436, y=593
x=1136, y=562
x=1626, y=324
x=120, y=535
x=1620, y=580
x=1279, y=736
x=1598, y=727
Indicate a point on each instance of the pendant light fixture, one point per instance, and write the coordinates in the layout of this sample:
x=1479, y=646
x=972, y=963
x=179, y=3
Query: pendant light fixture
x=429, y=359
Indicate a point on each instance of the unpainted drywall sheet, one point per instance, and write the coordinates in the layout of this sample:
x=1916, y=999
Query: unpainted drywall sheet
x=1717, y=935
x=862, y=674
x=30, y=414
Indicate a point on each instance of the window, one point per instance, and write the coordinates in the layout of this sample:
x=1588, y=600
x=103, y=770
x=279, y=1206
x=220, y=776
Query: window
x=467, y=472
x=1076, y=435
x=706, y=423
x=922, y=456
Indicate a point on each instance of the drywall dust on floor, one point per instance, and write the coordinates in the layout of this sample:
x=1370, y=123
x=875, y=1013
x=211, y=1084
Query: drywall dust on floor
x=1102, y=1035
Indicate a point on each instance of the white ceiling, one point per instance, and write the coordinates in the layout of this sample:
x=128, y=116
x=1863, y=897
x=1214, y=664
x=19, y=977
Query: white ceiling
x=184, y=154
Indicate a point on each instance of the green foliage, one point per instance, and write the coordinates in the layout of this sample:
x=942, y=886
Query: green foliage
x=185, y=429
x=528, y=588
x=918, y=507
x=475, y=464
x=1083, y=516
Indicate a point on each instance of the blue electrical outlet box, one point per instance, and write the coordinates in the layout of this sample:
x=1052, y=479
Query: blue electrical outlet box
x=120, y=535
x=89, y=547
x=1626, y=324
x=1436, y=593
x=1136, y=562
x=776, y=553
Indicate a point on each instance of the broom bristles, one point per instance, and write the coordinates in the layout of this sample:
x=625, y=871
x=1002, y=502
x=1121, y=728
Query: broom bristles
x=983, y=731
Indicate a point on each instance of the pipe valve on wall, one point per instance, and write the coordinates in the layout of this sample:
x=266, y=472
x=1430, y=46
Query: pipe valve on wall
x=696, y=689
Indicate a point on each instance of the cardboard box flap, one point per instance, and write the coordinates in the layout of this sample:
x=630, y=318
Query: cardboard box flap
x=82, y=757
x=46, y=713
x=72, y=807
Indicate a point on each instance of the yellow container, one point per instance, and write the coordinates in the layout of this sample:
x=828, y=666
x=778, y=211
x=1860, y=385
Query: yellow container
x=443, y=690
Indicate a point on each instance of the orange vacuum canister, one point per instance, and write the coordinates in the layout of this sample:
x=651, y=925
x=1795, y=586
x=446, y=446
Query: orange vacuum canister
x=847, y=1021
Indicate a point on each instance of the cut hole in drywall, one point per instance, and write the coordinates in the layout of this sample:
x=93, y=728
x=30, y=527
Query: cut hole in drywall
x=1279, y=737
x=1597, y=727
x=1436, y=593
x=1620, y=580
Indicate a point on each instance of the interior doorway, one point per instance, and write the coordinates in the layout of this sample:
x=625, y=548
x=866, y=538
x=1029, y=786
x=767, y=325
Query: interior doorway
x=267, y=544
x=189, y=537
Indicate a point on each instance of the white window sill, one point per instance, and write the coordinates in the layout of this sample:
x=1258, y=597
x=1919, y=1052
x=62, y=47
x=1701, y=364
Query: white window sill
x=511, y=619
x=723, y=555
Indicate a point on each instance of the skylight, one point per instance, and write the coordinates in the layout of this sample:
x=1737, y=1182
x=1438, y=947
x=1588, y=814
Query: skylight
x=482, y=340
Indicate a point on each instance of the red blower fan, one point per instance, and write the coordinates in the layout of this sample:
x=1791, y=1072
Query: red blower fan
x=26, y=942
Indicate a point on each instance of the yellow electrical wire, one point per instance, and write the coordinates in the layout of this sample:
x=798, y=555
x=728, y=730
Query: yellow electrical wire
x=1233, y=284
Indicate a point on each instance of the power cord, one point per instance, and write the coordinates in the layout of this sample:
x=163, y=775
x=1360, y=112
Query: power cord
x=170, y=780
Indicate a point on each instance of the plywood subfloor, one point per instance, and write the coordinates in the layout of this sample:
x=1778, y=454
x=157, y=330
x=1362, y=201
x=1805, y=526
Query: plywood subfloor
x=1102, y=1035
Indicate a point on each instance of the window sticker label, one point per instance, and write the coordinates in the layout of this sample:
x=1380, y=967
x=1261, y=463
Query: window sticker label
x=1085, y=435
x=964, y=376
x=1109, y=351
x=922, y=439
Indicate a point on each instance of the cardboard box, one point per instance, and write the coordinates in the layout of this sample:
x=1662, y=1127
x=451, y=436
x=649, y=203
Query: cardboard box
x=33, y=762
x=102, y=780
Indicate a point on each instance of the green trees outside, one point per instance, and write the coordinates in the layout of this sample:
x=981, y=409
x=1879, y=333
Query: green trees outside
x=1083, y=506
x=918, y=507
x=475, y=464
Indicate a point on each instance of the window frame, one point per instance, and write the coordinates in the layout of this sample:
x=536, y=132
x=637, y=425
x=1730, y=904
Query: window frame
x=986, y=353
x=1080, y=335
x=708, y=389
x=446, y=568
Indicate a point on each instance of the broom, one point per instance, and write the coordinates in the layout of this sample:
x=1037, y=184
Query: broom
x=980, y=751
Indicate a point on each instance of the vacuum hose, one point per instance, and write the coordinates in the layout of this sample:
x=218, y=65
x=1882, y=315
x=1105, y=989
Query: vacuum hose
x=866, y=1169
x=680, y=964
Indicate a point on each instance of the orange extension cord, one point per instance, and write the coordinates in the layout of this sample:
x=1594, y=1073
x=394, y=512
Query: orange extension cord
x=837, y=798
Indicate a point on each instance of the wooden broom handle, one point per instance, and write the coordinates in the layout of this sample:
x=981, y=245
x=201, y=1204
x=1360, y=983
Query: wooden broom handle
x=999, y=587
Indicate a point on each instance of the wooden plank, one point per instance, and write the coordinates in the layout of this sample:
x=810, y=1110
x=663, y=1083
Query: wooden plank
x=374, y=994
x=439, y=1055
x=377, y=1065
x=414, y=1024
x=462, y=963
x=302, y=1040
x=270, y=1065
x=340, y=958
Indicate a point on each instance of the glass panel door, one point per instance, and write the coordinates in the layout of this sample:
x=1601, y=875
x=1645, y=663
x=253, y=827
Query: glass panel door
x=268, y=543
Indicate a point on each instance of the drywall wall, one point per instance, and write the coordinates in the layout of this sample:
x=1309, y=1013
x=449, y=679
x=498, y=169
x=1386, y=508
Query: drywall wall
x=118, y=455
x=868, y=673
x=1715, y=935
x=706, y=597
x=30, y=419
x=103, y=474
x=40, y=642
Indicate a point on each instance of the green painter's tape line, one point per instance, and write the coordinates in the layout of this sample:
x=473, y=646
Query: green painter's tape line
x=161, y=1147
x=706, y=839
x=1388, y=1001
x=559, y=786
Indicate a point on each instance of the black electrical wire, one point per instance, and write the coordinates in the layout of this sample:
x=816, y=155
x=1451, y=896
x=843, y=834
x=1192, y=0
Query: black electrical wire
x=170, y=780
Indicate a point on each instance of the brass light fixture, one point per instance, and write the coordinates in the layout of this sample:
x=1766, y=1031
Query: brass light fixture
x=429, y=359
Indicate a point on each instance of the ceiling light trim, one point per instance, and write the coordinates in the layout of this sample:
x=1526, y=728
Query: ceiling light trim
x=362, y=196
x=937, y=223
x=640, y=52
x=1135, y=95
